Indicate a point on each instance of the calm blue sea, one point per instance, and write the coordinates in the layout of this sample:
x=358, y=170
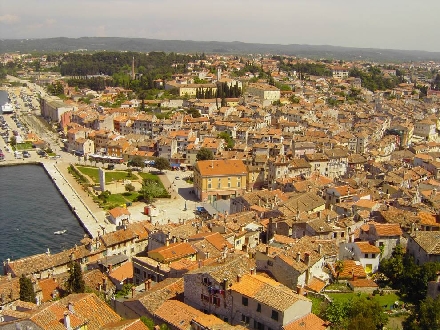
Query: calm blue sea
x=31, y=210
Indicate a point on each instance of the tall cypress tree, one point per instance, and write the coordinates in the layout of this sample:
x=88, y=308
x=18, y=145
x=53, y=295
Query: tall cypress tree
x=75, y=283
x=26, y=289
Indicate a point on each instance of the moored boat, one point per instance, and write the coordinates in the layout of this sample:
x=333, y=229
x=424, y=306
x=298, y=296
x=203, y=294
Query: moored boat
x=60, y=232
x=7, y=108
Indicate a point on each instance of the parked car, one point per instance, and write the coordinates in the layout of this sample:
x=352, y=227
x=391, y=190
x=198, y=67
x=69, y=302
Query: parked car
x=26, y=154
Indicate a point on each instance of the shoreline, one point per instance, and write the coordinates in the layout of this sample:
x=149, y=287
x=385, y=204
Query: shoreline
x=77, y=206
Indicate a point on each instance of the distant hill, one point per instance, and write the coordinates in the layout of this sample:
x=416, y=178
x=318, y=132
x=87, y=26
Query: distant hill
x=209, y=47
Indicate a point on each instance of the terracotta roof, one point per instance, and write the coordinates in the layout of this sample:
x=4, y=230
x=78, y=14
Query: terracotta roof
x=177, y=314
x=209, y=321
x=221, y=167
x=123, y=272
x=43, y=261
x=95, y=279
x=428, y=241
x=173, y=251
x=88, y=309
x=126, y=325
x=118, y=236
x=429, y=219
x=218, y=241
x=316, y=285
x=366, y=247
x=149, y=301
x=48, y=286
x=118, y=211
x=9, y=289
x=389, y=229
x=308, y=322
x=267, y=291
x=229, y=269
x=352, y=268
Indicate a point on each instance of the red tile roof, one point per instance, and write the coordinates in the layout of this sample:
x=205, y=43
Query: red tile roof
x=366, y=247
x=221, y=167
x=308, y=322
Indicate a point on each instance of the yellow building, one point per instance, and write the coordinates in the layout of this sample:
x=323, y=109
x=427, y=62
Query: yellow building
x=191, y=89
x=219, y=179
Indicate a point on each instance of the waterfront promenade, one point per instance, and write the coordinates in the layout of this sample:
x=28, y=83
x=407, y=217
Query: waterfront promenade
x=93, y=221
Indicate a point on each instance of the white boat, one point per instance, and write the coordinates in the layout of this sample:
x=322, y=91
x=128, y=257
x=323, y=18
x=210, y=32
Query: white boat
x=60, y=232
x=7, y=108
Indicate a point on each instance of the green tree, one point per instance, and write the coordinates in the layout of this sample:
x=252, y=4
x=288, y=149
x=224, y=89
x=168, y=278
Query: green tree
x=26, y=289
x=427, y=316
x=150, y=190
x=204, y=154
x=75, y=282
x=148, y=322
x=294, y=99
x=393, y=267
x=357, y=313
x=104, y=196
x=137, y=161
x=194, y=112
x=13, y=141
x=163, y=326
x=366, y=314
x=162, y=164
x=339, y=267
x=129, y=187
x=227, y=138
x=337, y=313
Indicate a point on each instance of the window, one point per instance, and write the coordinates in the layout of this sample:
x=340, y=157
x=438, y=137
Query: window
x=238, y=183
x=245, y=319
x=206, y=281
x=137, y=270
x=366, y=255
x=209, y=185
x=204, y=298
x=216, y=301
x=270, y=263
x=274, y=315
x=373, y=255
x=244, y=301
x=259, y=308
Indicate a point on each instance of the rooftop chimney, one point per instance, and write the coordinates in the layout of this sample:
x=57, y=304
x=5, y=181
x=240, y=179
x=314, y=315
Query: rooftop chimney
x=252, y=271
x=298, y=256
x=71, y=307
x=225, y=284
x=67, y=321
x=238, y=278
x=307, y=259
x=319, y=249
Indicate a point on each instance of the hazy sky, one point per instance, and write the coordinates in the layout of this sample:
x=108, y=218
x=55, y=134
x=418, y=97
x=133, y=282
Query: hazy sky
x=394, y=24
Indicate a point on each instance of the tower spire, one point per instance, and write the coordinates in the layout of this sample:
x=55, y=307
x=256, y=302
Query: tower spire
x=132, y=69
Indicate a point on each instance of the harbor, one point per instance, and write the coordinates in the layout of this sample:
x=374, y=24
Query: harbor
x=93, y=221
